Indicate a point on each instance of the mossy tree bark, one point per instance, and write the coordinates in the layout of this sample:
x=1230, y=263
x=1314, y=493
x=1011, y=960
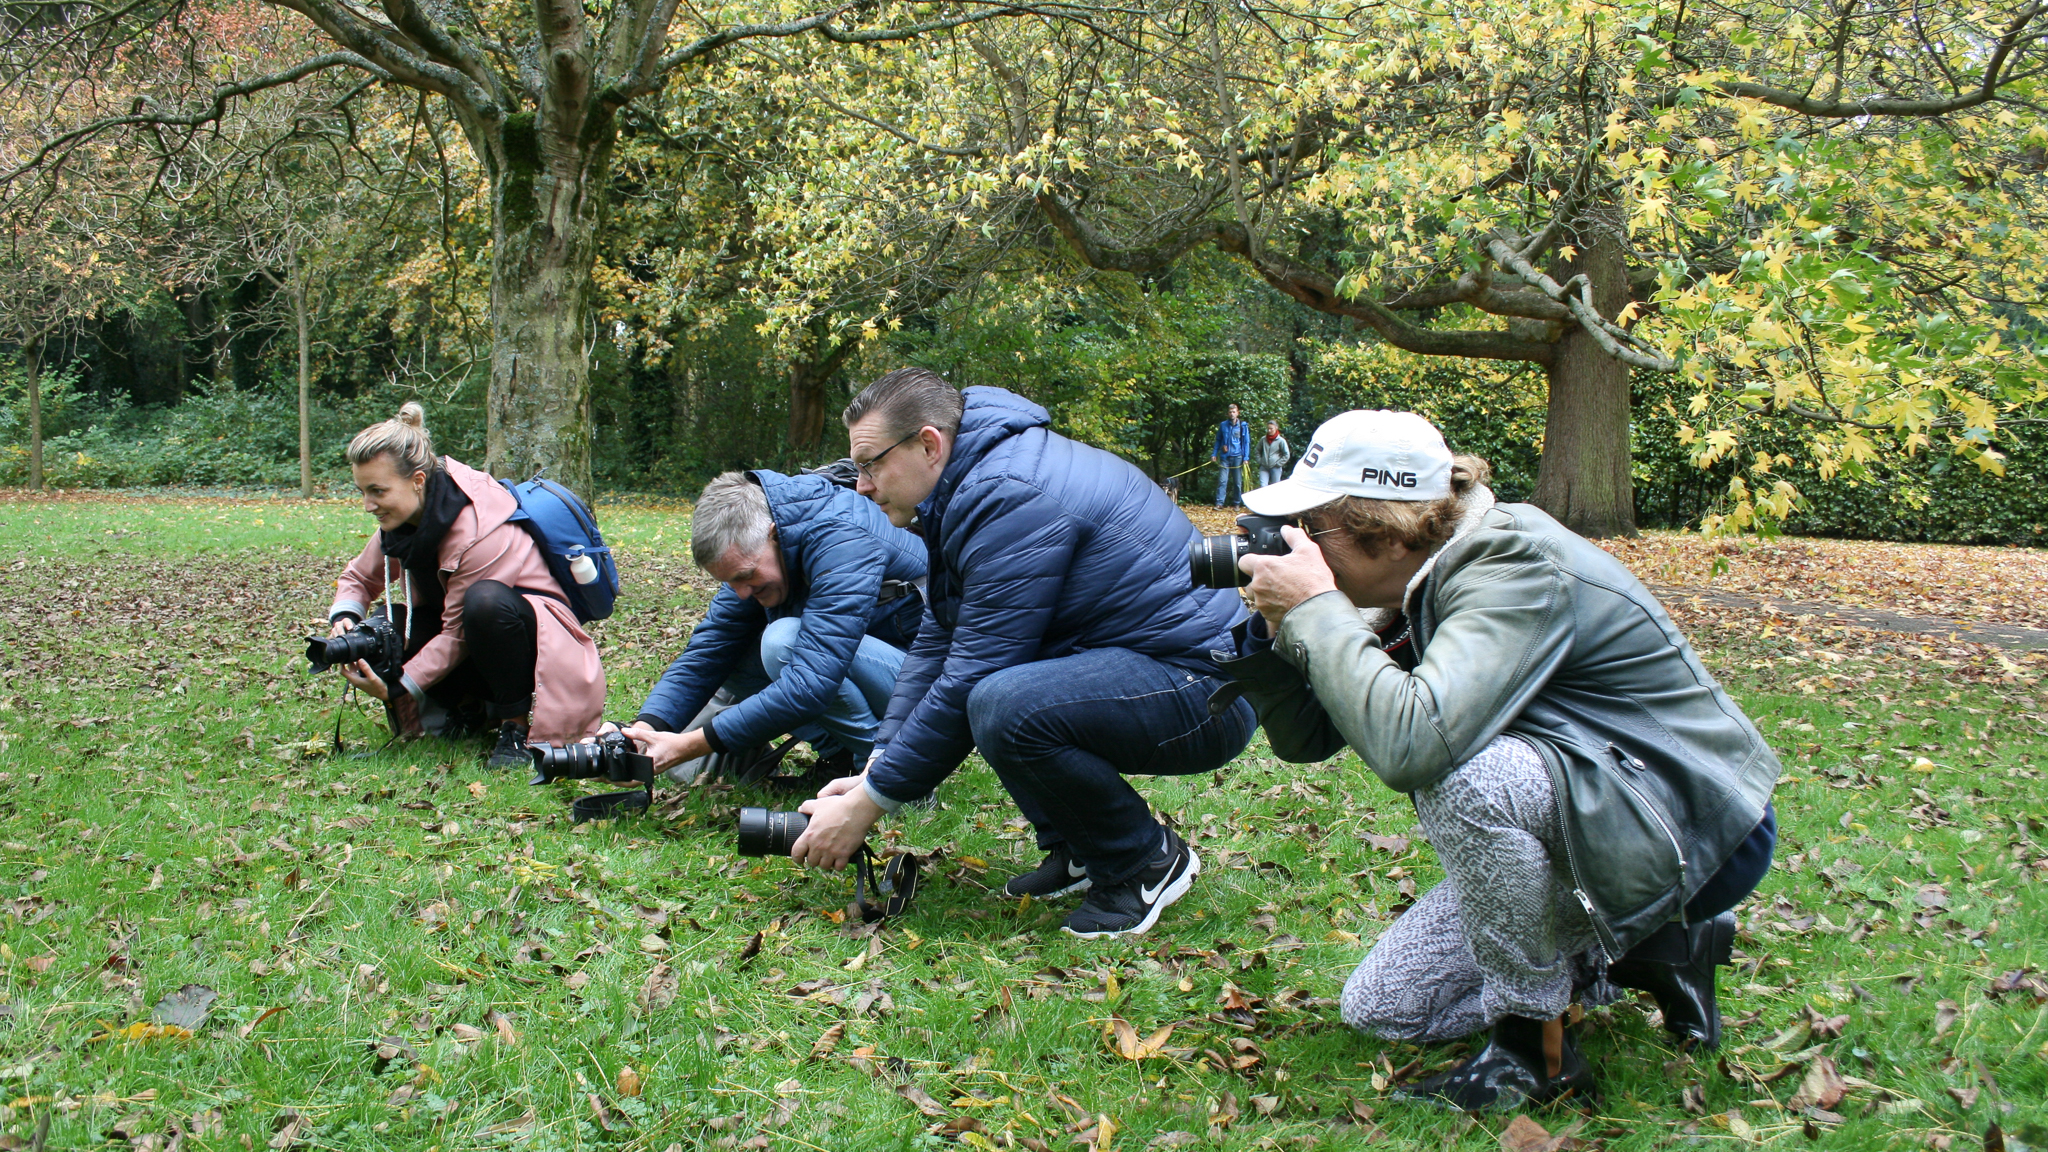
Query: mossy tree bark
x=32, y=366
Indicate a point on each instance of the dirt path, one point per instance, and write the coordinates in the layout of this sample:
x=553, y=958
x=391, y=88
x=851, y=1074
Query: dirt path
x=2001, y=635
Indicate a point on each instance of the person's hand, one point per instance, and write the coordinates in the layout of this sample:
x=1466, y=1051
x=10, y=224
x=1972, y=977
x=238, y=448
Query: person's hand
x=839, y=786
x=1281, y=582
x=342, y=624
x=839, y=823
x=668, y=749
x=359, y=674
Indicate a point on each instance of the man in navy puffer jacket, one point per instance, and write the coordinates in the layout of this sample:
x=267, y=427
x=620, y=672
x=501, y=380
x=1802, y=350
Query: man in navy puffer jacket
x=820, y=602
x=1062, y=637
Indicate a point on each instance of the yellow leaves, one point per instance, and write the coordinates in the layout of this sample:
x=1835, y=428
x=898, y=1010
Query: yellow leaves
x=140, y=1031
x=1123, y=1039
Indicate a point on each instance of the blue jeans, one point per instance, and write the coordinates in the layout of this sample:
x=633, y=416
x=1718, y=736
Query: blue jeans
x=1232, y=479
x=848, y=723
x=1062, y=734
x=1272, y=475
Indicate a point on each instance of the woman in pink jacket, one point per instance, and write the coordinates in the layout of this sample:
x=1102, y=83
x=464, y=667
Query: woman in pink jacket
x=488, y=637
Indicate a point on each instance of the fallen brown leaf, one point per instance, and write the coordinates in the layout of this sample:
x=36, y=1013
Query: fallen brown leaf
x=921, y=1100
x=658, y=991
x=827, y=1041
x=628, y=1081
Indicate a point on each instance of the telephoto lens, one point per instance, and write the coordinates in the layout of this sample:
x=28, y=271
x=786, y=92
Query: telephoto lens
x=768, y=833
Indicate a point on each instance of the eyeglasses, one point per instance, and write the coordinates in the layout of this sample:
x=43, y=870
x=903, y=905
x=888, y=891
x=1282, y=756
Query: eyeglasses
x=867, y=467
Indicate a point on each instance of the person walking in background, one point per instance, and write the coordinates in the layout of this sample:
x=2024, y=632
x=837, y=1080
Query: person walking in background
x=1232, y=450
x=1273, y=455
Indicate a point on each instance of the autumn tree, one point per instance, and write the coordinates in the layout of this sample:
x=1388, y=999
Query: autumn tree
x=1821, y=212
x=538, y=93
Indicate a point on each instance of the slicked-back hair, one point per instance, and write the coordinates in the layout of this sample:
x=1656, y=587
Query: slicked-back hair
x=906, y=400
x=732, y=513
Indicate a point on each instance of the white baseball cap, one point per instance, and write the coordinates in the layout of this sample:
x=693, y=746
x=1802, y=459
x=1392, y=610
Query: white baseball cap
x=1379, y=455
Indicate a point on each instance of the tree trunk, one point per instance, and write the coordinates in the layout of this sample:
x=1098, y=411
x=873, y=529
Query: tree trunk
x=547, y=203
x=305, y=385
x=808, y=375
x=1584, y=477
x=32, y=363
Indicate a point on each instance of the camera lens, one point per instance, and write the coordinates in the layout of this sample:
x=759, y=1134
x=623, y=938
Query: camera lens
x=574, y=761
x=324, y=652
x=1212, y=562
x=767, y=833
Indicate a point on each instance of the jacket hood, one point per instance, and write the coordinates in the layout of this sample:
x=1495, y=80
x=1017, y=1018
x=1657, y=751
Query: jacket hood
x=991, y=416
x=493, y=505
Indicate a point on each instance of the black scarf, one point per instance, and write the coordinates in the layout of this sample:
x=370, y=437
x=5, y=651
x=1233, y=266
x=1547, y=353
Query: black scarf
x=417, y=548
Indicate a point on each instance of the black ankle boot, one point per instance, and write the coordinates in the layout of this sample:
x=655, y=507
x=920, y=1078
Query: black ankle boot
x=1512, y=1070
x=1675, y=965
x=510, y=751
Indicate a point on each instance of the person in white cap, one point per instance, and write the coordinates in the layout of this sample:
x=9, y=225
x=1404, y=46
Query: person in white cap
x=1598, y=802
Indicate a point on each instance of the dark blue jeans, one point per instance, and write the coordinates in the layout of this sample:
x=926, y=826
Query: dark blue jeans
x=1062, y=735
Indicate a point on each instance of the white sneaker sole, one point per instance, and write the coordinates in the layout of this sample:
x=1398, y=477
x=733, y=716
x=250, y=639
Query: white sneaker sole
x=1080, y=885
x=1174, y=891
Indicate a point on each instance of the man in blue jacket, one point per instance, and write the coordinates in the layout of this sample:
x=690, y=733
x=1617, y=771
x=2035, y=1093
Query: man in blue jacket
x=1062, y=638
x=1233, y=447
x=820, y=602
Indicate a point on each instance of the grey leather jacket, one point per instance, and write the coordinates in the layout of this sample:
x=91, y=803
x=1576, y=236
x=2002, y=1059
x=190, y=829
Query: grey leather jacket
x=1521, y=626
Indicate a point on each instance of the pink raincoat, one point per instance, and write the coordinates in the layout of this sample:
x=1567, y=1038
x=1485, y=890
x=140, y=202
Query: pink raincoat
x=568, y=681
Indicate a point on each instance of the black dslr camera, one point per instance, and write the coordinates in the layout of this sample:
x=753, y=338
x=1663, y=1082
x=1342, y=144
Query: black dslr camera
x=766, y=833
x=1212, y=560
x=613, y=756
x=375, y=639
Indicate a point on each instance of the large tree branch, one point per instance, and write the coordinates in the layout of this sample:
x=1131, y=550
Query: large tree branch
x=391, y=50
x=2012, y=39
x=642, y=83
x=146, y=115
x=1304, y=284
x=1577, y=294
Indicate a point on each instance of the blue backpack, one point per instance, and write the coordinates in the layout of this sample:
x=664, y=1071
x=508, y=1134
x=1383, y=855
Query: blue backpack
x=566, y=532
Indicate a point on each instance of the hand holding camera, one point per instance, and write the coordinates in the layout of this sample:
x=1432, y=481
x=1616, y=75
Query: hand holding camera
x=1276, y=583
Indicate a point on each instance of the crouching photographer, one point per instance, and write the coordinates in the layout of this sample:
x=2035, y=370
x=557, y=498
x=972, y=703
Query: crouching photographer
x=483, y=638
x=1597, y=801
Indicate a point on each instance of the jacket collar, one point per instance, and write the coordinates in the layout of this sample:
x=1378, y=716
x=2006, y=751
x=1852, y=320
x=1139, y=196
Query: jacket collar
x=990, y=416
x=1471, y=515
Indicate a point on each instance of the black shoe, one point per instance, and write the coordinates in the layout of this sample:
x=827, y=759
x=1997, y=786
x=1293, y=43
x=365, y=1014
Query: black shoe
x=1512, y=1070
x=510, y=751
x=1132, y=907
x=820, y=774
x=1056, y=875
x=1675, y=965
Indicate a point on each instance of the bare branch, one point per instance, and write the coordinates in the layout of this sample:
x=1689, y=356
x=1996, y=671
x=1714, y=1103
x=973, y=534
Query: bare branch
x=221, y=95
x=1577, y=294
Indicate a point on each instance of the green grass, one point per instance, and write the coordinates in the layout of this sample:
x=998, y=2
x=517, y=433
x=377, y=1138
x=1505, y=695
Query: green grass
x=367, y=922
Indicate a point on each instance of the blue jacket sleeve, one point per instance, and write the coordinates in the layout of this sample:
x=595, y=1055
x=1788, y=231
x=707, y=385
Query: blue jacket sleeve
x=921, y=666
x=843, y=565
x=715, y=646
x=1018, y=545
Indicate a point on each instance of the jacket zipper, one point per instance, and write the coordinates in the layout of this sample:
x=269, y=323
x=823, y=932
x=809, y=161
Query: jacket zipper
x=1665, y=828
x=1608, y=944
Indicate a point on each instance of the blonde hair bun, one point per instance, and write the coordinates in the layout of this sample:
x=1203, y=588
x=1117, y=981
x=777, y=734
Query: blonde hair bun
x=411, y=413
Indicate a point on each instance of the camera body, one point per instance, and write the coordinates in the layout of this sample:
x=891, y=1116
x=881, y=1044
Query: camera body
x=768, y=833
x=376, y=639
x=612, y=757
x=1212, y=560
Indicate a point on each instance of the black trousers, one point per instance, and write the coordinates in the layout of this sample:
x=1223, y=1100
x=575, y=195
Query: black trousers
x=498, y=629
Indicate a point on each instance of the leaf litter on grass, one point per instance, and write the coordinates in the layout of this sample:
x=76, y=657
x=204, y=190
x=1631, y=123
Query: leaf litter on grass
x=150, y=843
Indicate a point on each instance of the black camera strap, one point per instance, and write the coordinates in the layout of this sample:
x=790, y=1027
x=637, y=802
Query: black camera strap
x=609, y=805
x=896, y=888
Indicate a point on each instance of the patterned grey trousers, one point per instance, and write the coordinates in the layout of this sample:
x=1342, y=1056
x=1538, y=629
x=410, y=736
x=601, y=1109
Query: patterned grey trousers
x=1502, y=934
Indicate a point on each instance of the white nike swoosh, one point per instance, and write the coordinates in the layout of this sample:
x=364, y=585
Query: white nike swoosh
x=1149, y=895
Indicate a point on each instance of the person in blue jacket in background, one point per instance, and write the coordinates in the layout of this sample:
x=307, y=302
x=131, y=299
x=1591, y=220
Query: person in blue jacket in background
x=1233, y=447
x=821, y=601
x=1063, y=638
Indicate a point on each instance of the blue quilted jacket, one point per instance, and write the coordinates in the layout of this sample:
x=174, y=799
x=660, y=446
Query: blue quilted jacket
x=837, y=548
x=1039, y=548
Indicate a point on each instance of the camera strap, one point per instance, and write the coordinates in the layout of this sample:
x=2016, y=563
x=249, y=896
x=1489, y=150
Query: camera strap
x=608, y=805
x=896, y=888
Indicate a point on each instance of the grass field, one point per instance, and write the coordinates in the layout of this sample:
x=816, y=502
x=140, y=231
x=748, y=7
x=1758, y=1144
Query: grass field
x=409, y=953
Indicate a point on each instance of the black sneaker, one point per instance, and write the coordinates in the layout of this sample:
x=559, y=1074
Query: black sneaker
x=1056, y=875
x=1132, y=907
x=510, y=751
